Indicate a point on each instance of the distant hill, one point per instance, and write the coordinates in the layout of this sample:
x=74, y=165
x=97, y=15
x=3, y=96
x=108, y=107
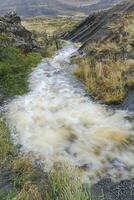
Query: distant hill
x=54, y=7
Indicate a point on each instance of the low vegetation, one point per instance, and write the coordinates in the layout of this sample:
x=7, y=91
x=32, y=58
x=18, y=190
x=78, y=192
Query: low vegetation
x=107, y=70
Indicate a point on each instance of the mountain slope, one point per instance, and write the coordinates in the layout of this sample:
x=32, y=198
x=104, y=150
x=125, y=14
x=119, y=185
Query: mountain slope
x=53, y=7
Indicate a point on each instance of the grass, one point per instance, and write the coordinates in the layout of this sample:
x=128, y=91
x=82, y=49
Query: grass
x=49, y=25
x=107, y=70
x=23, y=180
x=104, y=80
x=15, y=67
x=64, y=184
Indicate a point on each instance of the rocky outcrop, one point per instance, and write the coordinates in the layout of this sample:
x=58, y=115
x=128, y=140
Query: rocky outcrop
x=12, y=32
x=95, y=27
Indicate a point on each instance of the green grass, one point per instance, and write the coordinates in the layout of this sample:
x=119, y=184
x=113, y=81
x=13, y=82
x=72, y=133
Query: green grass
x=15, y=67
x=64, y=183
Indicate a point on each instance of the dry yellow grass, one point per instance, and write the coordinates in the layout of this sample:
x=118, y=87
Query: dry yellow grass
x=107, y=80
x=49, y=25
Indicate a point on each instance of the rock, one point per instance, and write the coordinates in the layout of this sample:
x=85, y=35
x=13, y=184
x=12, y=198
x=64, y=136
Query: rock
x=12, y=18
x=106, y=189
x=11, y=25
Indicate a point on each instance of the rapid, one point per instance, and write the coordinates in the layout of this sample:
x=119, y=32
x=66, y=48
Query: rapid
x=58, y=121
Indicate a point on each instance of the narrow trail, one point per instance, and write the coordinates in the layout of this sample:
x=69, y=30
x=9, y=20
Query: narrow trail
x=57, y=121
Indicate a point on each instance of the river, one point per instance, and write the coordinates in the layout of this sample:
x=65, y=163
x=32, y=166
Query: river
x=57, y=121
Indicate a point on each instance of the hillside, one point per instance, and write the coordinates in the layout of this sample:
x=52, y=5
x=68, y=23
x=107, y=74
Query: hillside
x=54, y=7
x=107, y=69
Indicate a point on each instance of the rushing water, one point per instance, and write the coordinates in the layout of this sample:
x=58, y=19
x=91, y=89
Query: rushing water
x=57, y=121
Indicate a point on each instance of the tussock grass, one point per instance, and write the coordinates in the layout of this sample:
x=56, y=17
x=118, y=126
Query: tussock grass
x=106, y=81
x=64, y=184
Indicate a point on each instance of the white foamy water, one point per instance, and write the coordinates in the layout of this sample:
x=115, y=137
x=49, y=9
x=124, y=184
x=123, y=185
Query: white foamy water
x=57, y=121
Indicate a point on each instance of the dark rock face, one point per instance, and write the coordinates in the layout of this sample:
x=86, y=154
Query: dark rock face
x=19, y=36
